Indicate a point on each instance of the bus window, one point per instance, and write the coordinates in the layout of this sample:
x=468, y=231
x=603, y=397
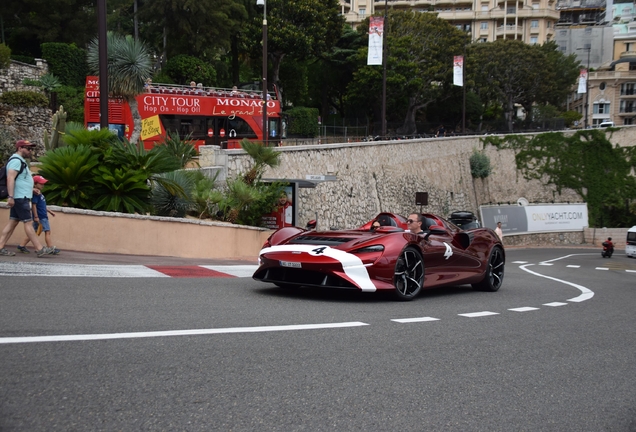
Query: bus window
x=239, y=128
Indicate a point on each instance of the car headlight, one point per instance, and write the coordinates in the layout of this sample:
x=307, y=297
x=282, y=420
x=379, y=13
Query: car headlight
x=369, y=249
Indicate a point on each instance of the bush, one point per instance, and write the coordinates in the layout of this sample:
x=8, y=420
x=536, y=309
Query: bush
x=72, y=99
x=23, y=59
x=184, y=68
x=24, y=98
x=479, y=165
x=67, y=62
x=302, y=122
x=5, y=56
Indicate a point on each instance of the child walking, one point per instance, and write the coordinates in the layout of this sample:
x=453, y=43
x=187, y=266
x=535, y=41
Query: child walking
x=40, y=216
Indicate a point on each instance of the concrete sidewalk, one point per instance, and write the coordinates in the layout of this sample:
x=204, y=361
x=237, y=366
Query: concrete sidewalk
x=74, y=257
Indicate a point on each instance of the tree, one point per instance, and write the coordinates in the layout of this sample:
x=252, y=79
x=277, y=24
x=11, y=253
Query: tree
x=585, y=162
x=129, y=65
x=419, y=64
x=300, y=29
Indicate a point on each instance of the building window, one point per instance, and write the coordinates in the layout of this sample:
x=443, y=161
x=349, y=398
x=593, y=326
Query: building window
x=549, y=24
x=362, y=12
x=511, y=10
x=602, y=85
x=601, y=108
x=628, y=106
x=535, y=6
x=484, y=26
x=628, y=121
x=534, y=40
x=534, y=24
x=627, y=89
x=484, y=8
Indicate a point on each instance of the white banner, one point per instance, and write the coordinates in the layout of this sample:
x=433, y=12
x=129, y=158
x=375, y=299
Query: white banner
x=376, y=31
x=535, y=218
x=458, y=71
x=583, y=81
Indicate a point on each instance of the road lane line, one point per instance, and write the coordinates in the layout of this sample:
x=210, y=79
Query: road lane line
x=555, y=304
x=196, y=332
x=412, y=320
x=523, y=309
x=586, y=293
x=478, y=314
x=76, y=270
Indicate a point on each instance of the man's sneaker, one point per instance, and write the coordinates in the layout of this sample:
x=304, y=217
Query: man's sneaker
x=56, y=251
x=5, y=252
x=23, y=249
x=45, y=251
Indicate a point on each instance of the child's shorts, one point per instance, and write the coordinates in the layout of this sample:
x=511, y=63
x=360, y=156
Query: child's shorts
x=45, y=225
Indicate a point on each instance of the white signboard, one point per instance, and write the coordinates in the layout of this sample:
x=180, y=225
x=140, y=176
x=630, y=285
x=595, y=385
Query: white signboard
x=535, y=218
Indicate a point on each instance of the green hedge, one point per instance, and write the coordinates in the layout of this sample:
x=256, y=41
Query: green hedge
x=23, y=59
x=24, y=98
x=302, y=122
x=67, y=62
x=184, y=68
x=5, y=56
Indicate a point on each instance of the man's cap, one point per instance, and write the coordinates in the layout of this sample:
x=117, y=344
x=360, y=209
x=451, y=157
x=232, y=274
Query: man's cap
x=39, y=179
x=23, y=143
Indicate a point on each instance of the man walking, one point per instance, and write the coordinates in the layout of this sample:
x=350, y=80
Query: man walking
x=20, y=189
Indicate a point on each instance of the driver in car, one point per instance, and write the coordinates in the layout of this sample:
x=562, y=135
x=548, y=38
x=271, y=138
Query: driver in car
x=414, y=223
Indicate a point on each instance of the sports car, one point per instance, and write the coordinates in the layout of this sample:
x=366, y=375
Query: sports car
x=388, y=257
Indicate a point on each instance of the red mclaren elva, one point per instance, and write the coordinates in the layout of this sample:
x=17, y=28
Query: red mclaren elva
x=385, y=258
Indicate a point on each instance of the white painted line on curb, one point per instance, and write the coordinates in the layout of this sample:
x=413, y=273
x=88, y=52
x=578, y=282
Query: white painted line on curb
x=412, y=320
x=76, y=270
x=586, y=293
x=524, y=309
x=235, y=270
x=197, y=332
x=478, y=314
x=555, y=304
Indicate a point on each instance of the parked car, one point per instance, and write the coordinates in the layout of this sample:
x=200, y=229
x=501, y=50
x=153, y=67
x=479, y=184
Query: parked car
x=606, y=124
x=464, y=219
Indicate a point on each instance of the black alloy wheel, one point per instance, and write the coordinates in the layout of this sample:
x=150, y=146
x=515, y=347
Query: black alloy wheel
x=409, y=274
x=494, y=272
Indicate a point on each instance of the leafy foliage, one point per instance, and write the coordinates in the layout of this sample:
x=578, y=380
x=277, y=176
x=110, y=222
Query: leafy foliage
x=181, y=149
x=586, y=162
x=184, y=68
x=120, y=189
x=24, y=98
x=165, y=203
x=69, y=172
x=302, y=122
x=262, y=157
x=66, y=61
x=479, y=165
x=72, y=98
x=5, y=56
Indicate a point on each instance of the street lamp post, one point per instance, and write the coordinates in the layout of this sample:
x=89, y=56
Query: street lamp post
x=587, y=84
x=384, y=62
x=264, y=4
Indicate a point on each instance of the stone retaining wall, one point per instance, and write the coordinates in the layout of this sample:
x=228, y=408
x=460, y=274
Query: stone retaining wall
x=11, y=79
x=384, y=176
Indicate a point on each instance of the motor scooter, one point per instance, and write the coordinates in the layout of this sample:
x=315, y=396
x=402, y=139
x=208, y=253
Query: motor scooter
x=608, y=250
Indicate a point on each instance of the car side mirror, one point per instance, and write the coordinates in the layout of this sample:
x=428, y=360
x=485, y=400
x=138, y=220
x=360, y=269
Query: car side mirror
x=437, y=230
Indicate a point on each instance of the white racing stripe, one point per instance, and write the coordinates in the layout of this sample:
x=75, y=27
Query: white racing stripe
x=351, y=264
x=79, y=270
x=586, y=294
x=197, y=332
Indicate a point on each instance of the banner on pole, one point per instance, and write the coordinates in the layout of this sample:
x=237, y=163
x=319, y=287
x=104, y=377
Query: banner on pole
x=376, y=31
x=458, y=71
x=583, y=81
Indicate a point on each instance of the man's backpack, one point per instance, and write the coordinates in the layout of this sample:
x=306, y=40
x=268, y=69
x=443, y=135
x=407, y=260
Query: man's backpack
x=3, y=177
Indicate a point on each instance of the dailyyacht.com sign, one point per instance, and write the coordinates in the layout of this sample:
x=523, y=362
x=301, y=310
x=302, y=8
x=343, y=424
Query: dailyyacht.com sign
x=535, y=218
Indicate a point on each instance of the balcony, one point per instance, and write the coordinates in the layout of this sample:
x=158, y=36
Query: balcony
x=509, y=30
x=459, y=15
x=628, y=54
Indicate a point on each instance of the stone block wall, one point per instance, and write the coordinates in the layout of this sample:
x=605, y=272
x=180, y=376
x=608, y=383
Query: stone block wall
x=27, y=123
x=11, y=79
x=385, y=175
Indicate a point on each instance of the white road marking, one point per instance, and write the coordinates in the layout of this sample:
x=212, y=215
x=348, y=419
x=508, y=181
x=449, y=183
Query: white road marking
x=545, y=264
x=602, y=268
x=520, y=262
x=586, y=293
x=630, y=271
x=478, y=314
x=196, y=332
x=236, y=270
x=72, y=270
x=524, y=309
x=574, y=266
x=555, y=304
x=412, y=320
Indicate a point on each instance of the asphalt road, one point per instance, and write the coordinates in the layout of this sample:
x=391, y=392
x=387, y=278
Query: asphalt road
x=553, y=350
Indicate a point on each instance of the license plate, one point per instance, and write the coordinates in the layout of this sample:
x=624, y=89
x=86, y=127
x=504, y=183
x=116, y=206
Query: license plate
x=290, y=264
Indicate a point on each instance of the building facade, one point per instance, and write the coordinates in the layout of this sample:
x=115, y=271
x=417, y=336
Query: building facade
x=531, y=21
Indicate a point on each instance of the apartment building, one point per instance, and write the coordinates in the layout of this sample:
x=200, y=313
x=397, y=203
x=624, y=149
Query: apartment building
x=531, y=21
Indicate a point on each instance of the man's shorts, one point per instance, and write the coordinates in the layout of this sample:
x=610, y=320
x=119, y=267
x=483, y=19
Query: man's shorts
x=46, y=227
x=21, y=210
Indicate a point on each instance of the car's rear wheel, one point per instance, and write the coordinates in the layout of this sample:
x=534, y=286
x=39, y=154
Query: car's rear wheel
x=409, y=274
x=494, y=271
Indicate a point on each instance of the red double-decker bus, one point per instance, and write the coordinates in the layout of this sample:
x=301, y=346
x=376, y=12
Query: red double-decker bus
x=210, y=116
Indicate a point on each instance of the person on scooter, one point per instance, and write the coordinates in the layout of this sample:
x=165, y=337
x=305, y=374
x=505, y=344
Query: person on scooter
x=608, y=247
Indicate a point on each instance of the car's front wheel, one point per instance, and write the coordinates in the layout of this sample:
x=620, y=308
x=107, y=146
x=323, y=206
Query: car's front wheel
x=409, y=274
x=493, y=278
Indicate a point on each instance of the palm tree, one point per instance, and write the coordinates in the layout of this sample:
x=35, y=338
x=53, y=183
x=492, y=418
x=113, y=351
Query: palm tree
x=129, y=65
